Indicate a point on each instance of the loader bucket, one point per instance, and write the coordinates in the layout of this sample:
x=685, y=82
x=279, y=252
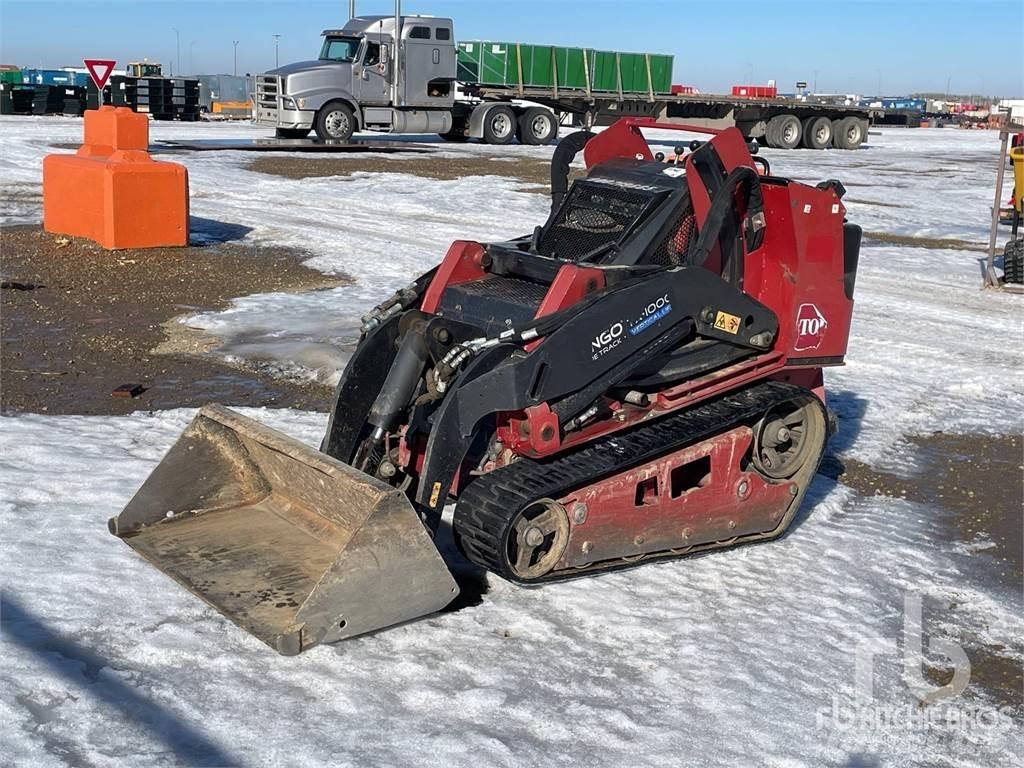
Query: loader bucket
x=290, y=544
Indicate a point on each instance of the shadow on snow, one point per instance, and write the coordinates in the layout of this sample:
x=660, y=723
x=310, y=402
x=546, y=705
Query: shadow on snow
x=80, y=667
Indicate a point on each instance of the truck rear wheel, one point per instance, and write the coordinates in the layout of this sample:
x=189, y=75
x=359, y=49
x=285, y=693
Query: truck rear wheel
x=817, y=132
x=537, y=125
x=291, y=133
x=335, y=122
x=500, y=125
x=784, y=132
x=849, y=133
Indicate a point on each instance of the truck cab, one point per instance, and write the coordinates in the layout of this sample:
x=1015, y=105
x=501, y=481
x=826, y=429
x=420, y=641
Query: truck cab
x=382, y=73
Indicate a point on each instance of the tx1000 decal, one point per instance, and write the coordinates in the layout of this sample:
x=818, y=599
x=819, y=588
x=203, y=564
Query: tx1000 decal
x=612, y=336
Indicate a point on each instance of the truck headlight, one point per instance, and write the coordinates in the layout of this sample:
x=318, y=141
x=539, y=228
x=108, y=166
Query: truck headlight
x=288, y=102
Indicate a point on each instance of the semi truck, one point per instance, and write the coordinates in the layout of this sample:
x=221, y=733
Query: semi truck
x=406, y=74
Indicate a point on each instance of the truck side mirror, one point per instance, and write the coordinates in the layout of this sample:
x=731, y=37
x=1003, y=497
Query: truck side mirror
x=385, y=54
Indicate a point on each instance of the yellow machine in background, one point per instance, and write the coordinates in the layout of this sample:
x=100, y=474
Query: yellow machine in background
x=1017, y=160
x=1011, y=147
x=1013, y=253
x=145, y=69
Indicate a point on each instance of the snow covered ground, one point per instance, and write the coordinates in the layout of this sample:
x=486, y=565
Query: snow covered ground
x=743, y=657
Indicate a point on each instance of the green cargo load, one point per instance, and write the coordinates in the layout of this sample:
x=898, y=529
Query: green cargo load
x=10, y=74
x=517, y=65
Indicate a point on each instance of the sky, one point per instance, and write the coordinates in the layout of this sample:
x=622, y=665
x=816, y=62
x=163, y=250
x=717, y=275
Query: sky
x=854, y=46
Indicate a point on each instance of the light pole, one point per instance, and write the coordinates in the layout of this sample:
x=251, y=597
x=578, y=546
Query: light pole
x=234, y=69
x=276, y=38
x=177, y=48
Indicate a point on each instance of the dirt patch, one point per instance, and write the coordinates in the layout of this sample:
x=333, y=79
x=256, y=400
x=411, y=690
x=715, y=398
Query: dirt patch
x=907, y=171
x=975, y=478
x=530, y=170
x=811, y=182
x=876, y=203
x=79, y=321
x=887, y=238
x=992, y=671
x=978, y=481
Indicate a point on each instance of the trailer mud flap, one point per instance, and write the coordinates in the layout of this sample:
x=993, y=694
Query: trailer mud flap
x=292, y=545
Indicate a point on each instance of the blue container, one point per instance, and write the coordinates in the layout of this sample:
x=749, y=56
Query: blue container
x=53, y=77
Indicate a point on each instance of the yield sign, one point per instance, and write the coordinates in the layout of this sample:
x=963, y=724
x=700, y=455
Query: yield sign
x=100, y=71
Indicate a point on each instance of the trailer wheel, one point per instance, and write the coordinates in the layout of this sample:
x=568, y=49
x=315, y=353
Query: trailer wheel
x=817, y=132
x=335, y=121
x=291, y=133
x=849, y=133
x=537, y=125
x=784, y=132
x=500, y=125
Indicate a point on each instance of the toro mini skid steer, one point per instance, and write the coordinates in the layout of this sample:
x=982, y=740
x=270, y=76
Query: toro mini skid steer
x=639, y=378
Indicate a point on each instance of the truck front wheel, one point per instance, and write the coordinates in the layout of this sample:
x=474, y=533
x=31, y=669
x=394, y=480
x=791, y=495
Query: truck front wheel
x=335, y=122
x=500, y=125
x=537, y=126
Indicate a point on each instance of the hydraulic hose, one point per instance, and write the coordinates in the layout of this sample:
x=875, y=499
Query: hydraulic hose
x=562, y=158
x=722, y=206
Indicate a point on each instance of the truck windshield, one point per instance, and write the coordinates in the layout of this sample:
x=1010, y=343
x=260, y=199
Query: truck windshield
x=339, y=48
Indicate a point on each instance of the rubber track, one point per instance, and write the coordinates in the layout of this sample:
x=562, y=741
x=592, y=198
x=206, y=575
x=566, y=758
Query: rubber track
x=488, y=506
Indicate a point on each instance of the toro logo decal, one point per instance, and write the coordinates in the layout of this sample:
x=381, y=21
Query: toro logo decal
x=810, y=327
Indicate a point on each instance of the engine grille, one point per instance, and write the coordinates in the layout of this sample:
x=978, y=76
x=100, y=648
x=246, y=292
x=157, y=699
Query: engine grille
x=593, y=216
x=672, y=249
x=268, y=91
x=492, y=303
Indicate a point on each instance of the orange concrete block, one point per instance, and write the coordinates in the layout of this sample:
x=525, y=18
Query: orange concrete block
x=112, y=191
x=117, y=128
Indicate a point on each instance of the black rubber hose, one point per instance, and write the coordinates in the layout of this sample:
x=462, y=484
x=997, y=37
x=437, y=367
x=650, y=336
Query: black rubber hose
x=565, y=153
x=722, y=206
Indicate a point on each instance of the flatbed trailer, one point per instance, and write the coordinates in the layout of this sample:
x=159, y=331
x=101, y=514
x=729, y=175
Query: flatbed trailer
x=796, y=122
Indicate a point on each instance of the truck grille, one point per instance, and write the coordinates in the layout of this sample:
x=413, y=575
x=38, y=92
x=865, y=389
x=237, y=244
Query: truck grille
x=268, y=91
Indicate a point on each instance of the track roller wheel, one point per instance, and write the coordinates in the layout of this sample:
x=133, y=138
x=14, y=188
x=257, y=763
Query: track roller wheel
x=787, y=437
x=536, y=539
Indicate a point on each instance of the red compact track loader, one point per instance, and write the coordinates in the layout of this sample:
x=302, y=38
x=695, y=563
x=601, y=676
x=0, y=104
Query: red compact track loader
x=639, y=378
